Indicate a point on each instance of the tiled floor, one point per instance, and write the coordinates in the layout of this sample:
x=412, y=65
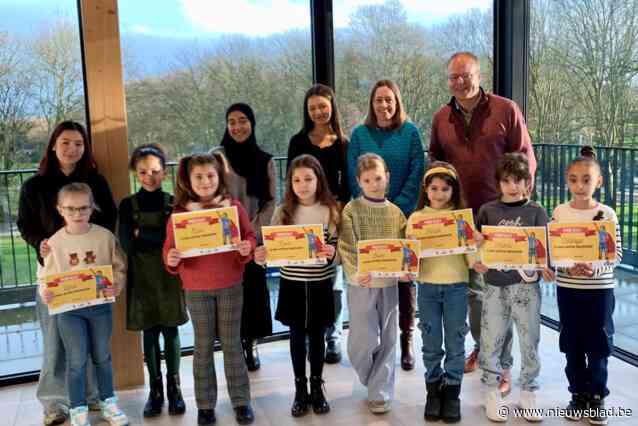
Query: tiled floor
x=272, y=394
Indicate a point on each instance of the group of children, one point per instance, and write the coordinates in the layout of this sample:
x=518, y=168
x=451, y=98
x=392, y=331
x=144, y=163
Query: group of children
x=213, y=295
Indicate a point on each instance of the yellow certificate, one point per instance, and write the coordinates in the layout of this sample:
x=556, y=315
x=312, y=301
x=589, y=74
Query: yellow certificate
x=293, y=245
x=443, y=233
x=593, y=243
x=79, y=289
x=514, y=247
x=388, y=258
x=206, y=231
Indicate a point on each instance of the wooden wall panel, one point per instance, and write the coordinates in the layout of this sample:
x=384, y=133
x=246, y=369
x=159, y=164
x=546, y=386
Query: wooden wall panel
x=107, y=110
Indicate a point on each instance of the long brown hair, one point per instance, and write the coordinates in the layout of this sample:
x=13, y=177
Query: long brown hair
x=184, y=190
x=399, y=117
x=451, y=177
x=323, y=194
x=85, y=165
x=335, y=118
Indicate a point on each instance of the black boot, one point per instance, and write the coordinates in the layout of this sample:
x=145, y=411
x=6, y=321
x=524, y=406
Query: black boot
x=251, y=354
x=433, y=401
x=174, y=395
x=319, y=403
x=300, y=404
x=155, y=401
x=451, y=410
x=407, y=353
x=577, y=406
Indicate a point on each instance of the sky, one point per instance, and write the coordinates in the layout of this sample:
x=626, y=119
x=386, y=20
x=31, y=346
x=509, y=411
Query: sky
x=207, y=18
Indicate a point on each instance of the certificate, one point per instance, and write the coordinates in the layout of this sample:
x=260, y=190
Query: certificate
x=388, y=258
x=79, y=289
x=443, y=233
x=206, y=231
x=293, y=245
x=514, y=247
x=593, y=243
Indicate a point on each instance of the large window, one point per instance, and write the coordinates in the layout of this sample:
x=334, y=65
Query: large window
x=40, y=84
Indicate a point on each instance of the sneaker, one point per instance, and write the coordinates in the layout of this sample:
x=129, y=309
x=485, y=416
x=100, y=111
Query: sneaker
x=495, y=408
x=471, y=362
x=505, y=385
x=379, y=407
x=55, y=417
x=577, y=406
x=531, y=412
x=112, y=413
x=80, y=416
x=333, y=352
x=597, y=414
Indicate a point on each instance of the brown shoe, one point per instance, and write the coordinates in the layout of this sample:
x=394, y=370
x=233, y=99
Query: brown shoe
x=407, y=354
x=471, y=362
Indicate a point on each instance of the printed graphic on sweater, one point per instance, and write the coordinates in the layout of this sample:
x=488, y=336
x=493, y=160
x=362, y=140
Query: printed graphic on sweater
x=89, y=257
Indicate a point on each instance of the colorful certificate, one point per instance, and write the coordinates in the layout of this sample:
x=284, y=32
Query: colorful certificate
x=293, y=245
x=206, y=231
x=443, y=233
x=388, y=258
x=514, y=247
x=593, y=243
x=79, y=289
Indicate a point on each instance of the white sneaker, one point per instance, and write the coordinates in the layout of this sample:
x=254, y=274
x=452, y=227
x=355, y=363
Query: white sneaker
x=495, y=409
x=80, y=416
x=112, y=413
x=379, y=407
x=531, y=412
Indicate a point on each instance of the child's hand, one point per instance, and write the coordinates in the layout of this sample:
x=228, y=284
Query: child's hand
x=580, y=269
x=45, y=249
x=479, y=238
x=548, y=275
x=363, y=279
x=480, y=268
x=244, y=247
x=136, y=232
x=111, y=291
x=260, y=255
x=327, y=251
x=173, y=257
x=407, y=278
x=47, y=296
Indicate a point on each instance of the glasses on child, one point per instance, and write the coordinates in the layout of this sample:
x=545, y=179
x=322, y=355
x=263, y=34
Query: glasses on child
x=83, y=210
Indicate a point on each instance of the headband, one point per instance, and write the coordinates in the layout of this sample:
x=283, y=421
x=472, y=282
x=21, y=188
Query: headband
x=443, y=170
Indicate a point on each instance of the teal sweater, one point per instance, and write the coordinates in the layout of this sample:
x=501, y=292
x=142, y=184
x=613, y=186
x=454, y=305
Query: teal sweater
x=403, y=153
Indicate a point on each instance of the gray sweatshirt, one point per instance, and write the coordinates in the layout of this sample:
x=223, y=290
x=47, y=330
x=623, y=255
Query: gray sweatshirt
x=498, y=213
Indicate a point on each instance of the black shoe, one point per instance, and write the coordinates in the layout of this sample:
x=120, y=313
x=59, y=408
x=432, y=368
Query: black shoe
x=155, y=401
x=206, y=417
x=251, y=354
x=577, y=406
x=597, y=413
x=318, y=400
x=300, y=404
x=433, y=401
x=451, y=404
x=244, y=415
x=333, y=352
x=407, y=353
x=176, y=403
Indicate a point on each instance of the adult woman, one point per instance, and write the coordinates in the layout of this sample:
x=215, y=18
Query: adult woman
x=68, y=158
x=251, y=180
x=322, y=138
x=387, y=132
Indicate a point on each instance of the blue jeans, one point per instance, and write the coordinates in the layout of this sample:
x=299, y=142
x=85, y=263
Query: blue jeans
x=87, y=331
x=443, y=308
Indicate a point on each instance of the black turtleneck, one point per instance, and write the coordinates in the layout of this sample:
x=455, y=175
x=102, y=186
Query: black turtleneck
x=148, y=238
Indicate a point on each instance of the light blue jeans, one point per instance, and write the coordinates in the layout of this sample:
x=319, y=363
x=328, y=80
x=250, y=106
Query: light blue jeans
x=87, y=331
x=443, y=308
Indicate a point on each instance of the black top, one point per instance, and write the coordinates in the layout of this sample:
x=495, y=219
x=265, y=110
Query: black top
x=332, y=159
x=149, y=238
x=38, y=217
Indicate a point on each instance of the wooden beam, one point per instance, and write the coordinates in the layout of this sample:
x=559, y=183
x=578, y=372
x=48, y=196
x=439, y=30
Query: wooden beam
x=107, y=112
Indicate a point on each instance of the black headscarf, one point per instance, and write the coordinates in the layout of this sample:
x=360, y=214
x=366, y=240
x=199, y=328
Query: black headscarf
x=247, y=159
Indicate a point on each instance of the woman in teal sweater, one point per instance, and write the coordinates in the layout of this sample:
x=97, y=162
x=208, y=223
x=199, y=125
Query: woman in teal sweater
x=387, y=132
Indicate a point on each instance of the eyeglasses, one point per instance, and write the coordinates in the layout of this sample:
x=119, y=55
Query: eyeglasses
x=83, y=210
x=465, y=76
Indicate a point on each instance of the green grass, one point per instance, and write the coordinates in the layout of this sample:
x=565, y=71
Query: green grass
x=14, y=261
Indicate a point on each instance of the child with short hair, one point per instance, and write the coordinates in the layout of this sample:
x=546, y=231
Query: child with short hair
x=373, y=302
x=212, y=285
x=585, y=296
x=81, y=245
x=511, y=296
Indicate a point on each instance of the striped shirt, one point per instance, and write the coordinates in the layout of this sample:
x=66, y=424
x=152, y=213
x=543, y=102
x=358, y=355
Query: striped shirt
x=308, y=215
x=603, y=276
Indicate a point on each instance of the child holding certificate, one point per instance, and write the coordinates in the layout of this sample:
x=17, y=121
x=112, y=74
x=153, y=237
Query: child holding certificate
x=83, y=245
x=511, y=295
x=442, y=299
x=306, y=302
x=212, y=285
x=155, y=299
x=373, y=302
x=585, y=296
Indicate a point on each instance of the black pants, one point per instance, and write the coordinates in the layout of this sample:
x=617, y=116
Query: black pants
x=317, y=342
x=586, y=337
